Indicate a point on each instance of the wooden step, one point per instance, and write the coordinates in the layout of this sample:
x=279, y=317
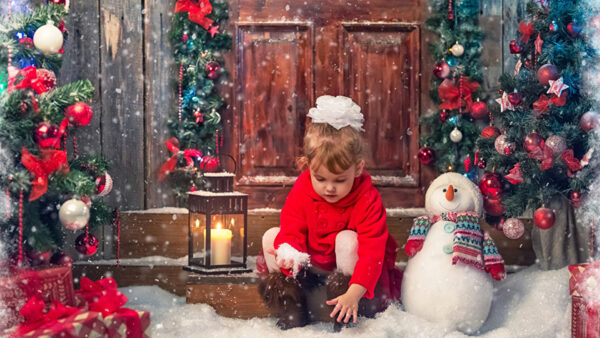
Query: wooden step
x=149, y=234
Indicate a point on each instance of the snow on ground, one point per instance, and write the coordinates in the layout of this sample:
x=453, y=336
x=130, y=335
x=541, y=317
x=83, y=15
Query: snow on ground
x=529, y=303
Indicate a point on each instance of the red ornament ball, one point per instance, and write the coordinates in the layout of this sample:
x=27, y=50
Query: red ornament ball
x=546, y=73
x=515, y=98
x=575, y=197
x=426, y=155
x=185, y=37
x=543, y=218
x=213, y=70
x=491, y=185
x=62, y=259
x=209, y=164
x=589, y=121
x=490, y=132
x=481, y=163
x=46, y=135
x=47, y=77
x=198, y=116
x=444, y=116
x=441, y=70
x=513, y=228
x=532, y=142
x=104, y=185
x=493, y=206
x=479, y=110
x=86, y=244
x=574, y=29
x=80, y=114
x=515, y=47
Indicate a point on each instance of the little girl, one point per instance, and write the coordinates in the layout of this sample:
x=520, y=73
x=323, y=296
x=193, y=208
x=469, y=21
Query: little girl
x=333, y=230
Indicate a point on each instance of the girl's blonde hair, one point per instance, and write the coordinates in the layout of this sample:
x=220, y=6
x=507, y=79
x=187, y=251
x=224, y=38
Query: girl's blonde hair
x=336, y=149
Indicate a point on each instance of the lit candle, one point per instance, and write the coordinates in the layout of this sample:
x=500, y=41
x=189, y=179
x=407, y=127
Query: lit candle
x=220, y=245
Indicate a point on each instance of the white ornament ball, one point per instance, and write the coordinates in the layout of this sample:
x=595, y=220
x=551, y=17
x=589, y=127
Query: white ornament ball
x=457, y=49
x=503, y=146
x=74, y=214
x=48, y=38
x=557, y=144
x=513, y=228
x=455, y=135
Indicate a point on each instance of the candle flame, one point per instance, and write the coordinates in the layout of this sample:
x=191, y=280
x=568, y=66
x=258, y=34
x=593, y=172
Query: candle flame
x=197, y=223
x=219, y=225
x=232, y=222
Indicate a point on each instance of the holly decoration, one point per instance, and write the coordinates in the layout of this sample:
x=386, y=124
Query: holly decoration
x=543, y=218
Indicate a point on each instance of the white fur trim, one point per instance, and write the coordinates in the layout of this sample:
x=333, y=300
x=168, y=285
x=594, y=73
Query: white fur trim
x=286, y=251
x=457, y=180
x=338, y=111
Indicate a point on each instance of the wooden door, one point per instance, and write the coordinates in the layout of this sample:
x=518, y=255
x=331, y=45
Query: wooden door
x=288, y=53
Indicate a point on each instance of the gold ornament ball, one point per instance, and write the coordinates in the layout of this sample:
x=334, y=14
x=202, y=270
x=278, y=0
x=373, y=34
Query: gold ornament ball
x=457, y=49
x=48, y=38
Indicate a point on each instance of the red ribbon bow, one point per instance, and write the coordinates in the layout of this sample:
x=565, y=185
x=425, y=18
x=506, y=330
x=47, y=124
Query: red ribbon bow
x=542, y=153
x=33, y=313
x=450, y=94
x=543, y=103
x=197, y=11
x=104, y=297
x=573, y=164
x=51, y=160
x=526, y=29
x=169, y=166
x=31, y=80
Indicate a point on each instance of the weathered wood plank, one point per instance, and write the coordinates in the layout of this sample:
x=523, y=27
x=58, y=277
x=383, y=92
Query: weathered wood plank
x=513, y=13
x=82, y=61
x=122, y=119
x=229, y=300
x=490, y=22
x=160, y=100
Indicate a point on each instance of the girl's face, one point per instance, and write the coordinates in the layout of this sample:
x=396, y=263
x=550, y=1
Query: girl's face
x=333, y=187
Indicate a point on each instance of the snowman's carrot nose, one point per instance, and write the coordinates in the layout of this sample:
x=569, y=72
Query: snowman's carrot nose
x=450, y=193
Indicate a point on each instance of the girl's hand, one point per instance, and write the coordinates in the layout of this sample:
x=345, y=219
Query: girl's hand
x=281, y=263
x=347, y=304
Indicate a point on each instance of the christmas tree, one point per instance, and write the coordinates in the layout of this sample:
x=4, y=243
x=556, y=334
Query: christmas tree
x=44, y=185
x=543, y=151
x=195, y=123
x=449, y=135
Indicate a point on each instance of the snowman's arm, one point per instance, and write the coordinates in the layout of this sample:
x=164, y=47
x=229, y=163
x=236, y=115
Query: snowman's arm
x=417, y=235
x=494, y=264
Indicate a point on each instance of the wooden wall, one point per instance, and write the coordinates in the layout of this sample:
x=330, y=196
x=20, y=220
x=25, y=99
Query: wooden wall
x=122, y=47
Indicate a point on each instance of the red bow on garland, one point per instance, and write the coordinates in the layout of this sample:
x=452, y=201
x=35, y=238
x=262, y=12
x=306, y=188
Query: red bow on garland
x=450, y=93
x=51, y=160
x=573, y=164
x=526, y=29
x=31, y=80
x=543, y=103
x=543, y=153
x=197, y=11
x=169, y=166
x=33, y=313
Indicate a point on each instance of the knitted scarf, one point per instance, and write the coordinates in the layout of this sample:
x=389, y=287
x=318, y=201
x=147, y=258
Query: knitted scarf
x=470, y=245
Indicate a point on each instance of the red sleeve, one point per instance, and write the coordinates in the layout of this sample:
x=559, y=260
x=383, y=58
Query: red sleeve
x=371, y=227
x=293, y=227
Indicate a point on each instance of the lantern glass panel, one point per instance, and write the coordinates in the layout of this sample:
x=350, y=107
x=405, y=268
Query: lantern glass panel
x=227, y=228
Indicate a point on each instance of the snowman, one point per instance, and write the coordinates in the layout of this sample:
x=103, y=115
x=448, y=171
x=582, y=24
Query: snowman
x=446, y=279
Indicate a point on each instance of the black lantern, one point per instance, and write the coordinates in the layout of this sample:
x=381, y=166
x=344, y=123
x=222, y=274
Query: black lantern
x=217, y=227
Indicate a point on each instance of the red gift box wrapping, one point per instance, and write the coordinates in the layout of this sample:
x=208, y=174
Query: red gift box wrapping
x=128, y=323
x=584, y=285
x=55, y=283
x=82, y=324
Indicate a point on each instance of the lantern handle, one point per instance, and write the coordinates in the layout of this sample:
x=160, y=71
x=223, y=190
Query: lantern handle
x=232, y=159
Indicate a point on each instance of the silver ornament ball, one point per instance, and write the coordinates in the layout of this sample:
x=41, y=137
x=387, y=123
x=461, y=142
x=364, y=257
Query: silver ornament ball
x=557, y=144
x=513, y=228
x=74, y=214
x=455, y=135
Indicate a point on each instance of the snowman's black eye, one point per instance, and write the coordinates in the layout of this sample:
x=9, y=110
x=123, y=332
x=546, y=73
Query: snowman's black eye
x=455, y=190
x=444, y=190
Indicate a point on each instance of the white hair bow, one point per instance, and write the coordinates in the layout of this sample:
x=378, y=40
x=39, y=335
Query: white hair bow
x=337, y=111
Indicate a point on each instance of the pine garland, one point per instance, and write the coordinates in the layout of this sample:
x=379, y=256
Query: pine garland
x=461, y=27
x=21, y=111
x=196, y=124
x=568, y=54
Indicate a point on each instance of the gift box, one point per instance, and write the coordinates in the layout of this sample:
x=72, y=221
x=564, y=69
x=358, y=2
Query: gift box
x=59, y=321
x=54, y=283
x=104, y=297
x=584, y=286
